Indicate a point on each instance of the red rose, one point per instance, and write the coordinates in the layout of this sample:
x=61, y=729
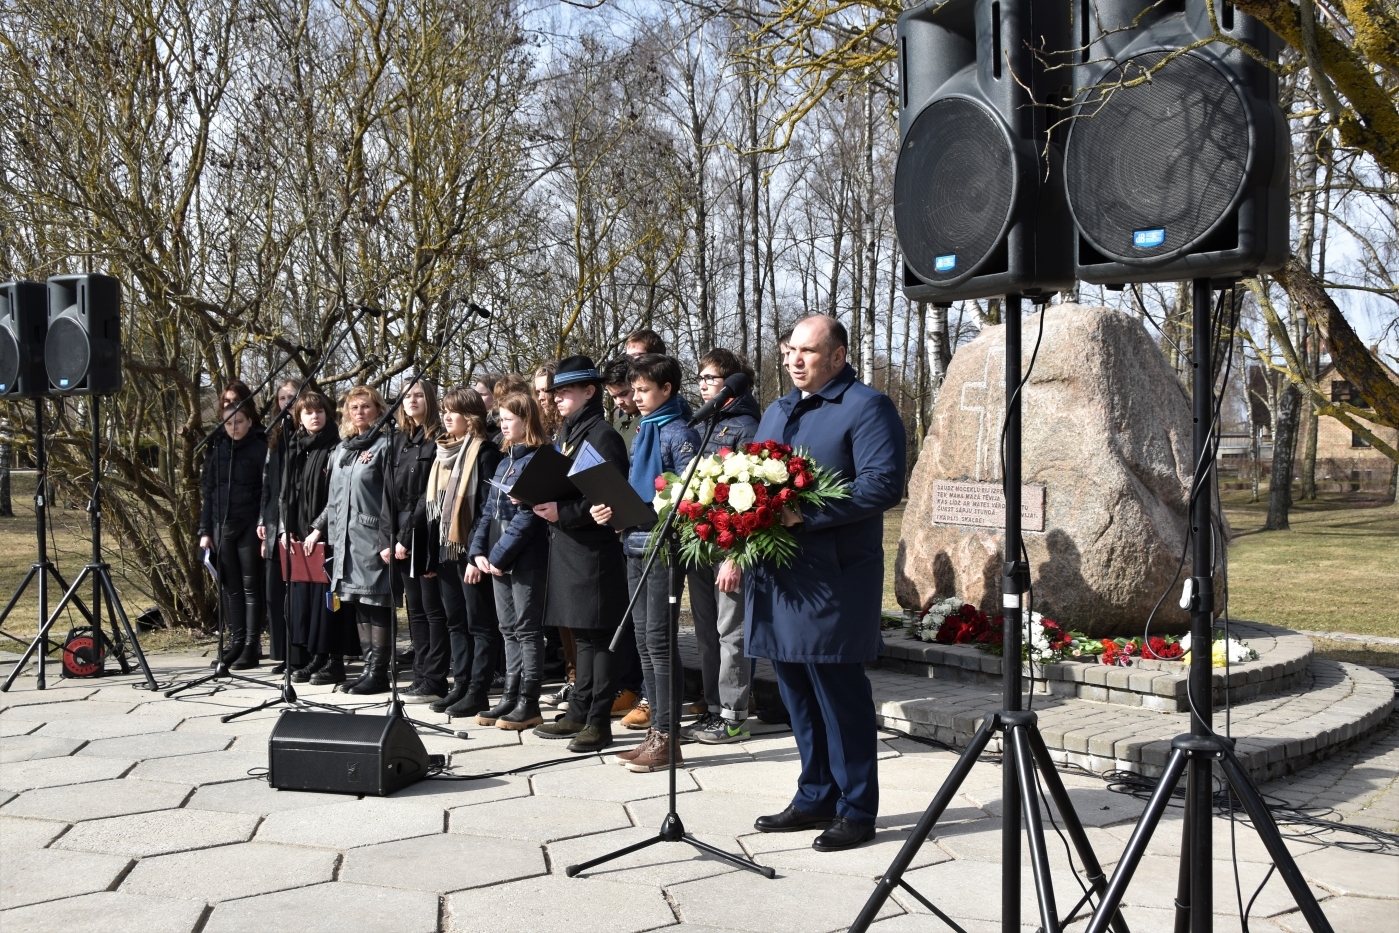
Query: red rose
x=724, y=452
x=661, y=483
x=722, y=520
x=703, y=530
x=796, y=465
x=726, y=539
x=760, y=492
x=801, y=480
x=786, y=495
x=770, y=445
x=784, y=449
x=721, y=492
x=764, y=516
x=753, y=449
x=750, y=522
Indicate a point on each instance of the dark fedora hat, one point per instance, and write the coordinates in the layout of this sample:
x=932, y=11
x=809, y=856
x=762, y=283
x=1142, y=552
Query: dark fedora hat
x=575, y=369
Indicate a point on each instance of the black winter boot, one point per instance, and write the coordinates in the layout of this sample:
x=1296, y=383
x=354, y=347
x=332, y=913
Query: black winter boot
x=526, y=713
x=509, y=698
x=302, y=674
x=251, y=654
x=366, y=649
x=377, y=679
x=332, y=672
x=453, y=697
x=471, y=703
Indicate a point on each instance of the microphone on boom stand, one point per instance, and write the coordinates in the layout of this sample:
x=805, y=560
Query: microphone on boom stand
x=734, y=386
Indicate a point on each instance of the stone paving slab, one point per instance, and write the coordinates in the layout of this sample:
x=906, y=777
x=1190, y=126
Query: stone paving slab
x=32, y=876
x=109, y=727
x=610, y=783
x=335, y=907
x=228, y=872
x=107, y=912
x=200, y=769
x=251, y=795
x=54, y=772
x=579, y=905
x=57, y=710
x=29, y=747
x=21, y=833
x=1347, y=913
x=542, y=819
x=745, y=901
x=352, y=823
x=24, y=694
x=99, y=799
x=158, y=745
x=793, y=852
x=10, y=726
x=443, y=863
x=160, y=832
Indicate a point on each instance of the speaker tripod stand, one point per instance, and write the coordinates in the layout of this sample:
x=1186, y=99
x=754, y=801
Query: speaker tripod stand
x=1201, y=748
x=672, y=828
x=42, y=569
x=102, y=587
x=1023, y=748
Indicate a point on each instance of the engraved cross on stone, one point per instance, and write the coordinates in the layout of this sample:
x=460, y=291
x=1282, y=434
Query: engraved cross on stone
x=987, y=399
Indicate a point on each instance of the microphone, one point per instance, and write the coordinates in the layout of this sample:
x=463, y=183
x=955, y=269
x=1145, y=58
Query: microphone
x=477, y=310
x=734, y=386
x=307, y=351
x=372, y=312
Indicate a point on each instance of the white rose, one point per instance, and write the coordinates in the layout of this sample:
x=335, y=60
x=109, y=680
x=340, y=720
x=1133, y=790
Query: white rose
x=774, y=472
x=706, y=492
x=660, y=502
x=741, y=497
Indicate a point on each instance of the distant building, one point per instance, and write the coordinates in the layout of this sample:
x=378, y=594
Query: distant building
x=1345, y=461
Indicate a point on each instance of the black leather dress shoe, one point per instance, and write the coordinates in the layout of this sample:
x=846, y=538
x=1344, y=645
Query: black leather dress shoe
x=843, y=834
x=790, y=820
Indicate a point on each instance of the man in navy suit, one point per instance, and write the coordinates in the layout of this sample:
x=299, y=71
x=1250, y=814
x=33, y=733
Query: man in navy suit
x=818, y=620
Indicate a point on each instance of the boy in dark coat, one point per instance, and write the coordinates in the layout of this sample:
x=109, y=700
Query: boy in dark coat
x=587, y=572
x=818, y=620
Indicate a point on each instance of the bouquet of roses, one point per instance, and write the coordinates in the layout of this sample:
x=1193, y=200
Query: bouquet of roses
x=734, y=505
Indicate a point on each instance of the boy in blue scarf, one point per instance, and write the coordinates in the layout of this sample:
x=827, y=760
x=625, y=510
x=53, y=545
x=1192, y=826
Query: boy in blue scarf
x=664, y=443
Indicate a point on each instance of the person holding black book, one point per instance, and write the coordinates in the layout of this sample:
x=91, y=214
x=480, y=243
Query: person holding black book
x=664, y=443
x=228, y=518
x=587, y=571
x=510, y=544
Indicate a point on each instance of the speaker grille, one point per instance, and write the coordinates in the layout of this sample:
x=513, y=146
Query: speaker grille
x=1153, y=167
x=66, y=353
x=954, y=188
x=9, y=360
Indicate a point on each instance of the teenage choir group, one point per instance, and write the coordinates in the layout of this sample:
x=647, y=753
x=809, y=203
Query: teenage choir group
x=422, y=517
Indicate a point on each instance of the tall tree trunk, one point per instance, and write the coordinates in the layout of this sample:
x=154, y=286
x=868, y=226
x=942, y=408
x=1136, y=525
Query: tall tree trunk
x=835, y=256
x=741, y=209
x=1284, y=446
x=867, y=331
x=939, y=352
x=751, y=102
x=920, y=379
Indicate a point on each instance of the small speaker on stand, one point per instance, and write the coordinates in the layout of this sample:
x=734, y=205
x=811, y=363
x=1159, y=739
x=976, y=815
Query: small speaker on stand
x=23, y=323
x=82, y=350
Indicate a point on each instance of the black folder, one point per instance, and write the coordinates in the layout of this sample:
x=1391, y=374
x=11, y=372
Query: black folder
x=544, y=479
x=604, y=484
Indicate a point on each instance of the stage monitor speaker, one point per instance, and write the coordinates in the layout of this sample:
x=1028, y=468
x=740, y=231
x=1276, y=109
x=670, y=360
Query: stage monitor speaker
x=344, y=753
x=82, y=350
x=1177, y=156
x=978, y=203
x=23, y=322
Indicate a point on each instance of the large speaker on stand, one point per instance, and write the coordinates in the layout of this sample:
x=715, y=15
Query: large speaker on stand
x=23, y=323
x=82, y=350
x=1176, y=164
x=978, y=205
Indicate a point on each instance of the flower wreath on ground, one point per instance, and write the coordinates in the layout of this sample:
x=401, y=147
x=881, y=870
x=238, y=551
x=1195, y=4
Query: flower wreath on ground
x=954, y=621
x=733, y=508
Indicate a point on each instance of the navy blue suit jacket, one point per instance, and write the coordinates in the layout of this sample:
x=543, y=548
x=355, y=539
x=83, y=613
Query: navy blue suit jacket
x=824, y=609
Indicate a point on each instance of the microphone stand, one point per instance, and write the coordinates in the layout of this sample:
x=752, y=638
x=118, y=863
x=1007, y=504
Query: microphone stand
x=672, y=829
x=261, y=388
x=288, y=692
x=386, y=424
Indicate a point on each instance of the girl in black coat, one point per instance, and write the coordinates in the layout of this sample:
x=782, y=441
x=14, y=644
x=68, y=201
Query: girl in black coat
x=457, y=492
x=412, y=552
x=228, y=519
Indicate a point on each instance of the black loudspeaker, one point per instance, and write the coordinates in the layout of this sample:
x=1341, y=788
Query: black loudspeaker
x=344, y=753
x=82, y=351
x=24, y=310
x=978, y=204
x=1176, y=161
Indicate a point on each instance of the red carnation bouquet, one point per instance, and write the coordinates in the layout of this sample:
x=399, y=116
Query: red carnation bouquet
x=734, y=505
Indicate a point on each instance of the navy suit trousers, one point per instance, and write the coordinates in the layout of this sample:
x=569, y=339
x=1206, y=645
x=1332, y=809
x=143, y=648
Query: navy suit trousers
x=832, y=708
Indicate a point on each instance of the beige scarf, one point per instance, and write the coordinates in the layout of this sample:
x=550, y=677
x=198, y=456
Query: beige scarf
x=449, y=494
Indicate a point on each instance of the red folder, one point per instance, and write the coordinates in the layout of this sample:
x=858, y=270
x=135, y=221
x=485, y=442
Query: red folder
x=304, y=568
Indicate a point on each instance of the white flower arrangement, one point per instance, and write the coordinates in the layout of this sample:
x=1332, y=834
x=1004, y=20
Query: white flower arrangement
x=1222, y=651
x=925, y=628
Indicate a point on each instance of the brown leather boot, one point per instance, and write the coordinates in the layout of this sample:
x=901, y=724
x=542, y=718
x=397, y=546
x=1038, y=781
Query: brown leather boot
x=655, y=755
x=624, y=757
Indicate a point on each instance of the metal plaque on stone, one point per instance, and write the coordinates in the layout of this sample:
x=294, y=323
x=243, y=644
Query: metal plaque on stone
x=984, y=505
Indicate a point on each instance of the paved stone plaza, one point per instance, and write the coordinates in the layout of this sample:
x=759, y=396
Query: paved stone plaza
x=122, y=810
